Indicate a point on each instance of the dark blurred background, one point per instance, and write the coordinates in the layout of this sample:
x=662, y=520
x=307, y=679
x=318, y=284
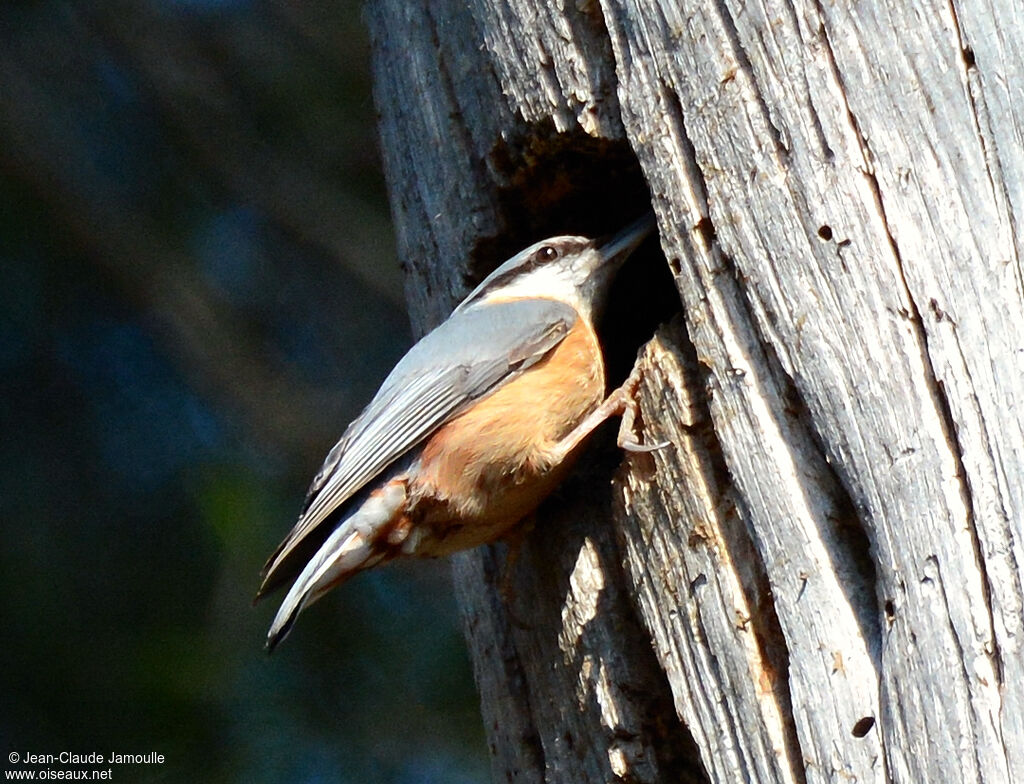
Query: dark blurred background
x=199, y=290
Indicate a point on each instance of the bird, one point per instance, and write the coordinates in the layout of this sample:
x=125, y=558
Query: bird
x=480, y=420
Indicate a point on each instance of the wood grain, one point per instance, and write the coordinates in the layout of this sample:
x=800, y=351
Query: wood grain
x=821, y=577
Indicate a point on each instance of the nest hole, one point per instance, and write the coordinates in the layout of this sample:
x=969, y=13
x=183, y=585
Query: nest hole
x=572, y=183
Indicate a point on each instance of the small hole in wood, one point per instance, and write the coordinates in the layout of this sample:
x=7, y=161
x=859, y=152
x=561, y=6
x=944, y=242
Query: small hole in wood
x=968, y=54
x=890, y=610
x=863, y=726
x=825, y=232
x=707, y=230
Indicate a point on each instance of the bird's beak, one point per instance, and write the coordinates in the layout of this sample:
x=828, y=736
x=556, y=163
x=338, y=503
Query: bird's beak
x=616, y=249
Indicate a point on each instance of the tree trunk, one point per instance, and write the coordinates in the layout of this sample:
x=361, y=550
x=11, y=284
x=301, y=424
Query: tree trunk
x=820, y=578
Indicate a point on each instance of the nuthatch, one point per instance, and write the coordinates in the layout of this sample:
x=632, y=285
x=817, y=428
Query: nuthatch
x=473, y=428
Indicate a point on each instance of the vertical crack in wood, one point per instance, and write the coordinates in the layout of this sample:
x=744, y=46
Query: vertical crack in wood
x=770, y=637
x=825, y=149
x=728, y=26
x=943, y=405
x=728, y=536
x=844, y=537
x=967, y=676
x=844, y=541
x=939, y=398
x=676, y=118
x=768, y=631
x=840, y=82
x=849, y=533
x=976, y=99
x=935, y=386
x=857, y=536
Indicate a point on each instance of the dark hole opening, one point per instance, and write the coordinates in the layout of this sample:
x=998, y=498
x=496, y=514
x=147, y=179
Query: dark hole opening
x=863, y=726
x=572, y=183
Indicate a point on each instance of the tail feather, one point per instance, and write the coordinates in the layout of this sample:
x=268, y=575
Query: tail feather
x=342, y=555
x=351, y=547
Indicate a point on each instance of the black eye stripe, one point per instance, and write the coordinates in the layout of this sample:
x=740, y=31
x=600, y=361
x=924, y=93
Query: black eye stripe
x=545, y=254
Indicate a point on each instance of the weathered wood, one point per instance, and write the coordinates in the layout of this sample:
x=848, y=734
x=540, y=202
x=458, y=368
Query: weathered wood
x=826, y=563
x=720, y=623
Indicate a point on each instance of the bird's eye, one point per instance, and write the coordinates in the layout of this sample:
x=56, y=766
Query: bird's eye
x=547, y=253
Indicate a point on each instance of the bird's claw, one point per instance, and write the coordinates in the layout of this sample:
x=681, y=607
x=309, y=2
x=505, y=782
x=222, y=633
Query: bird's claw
x=627, y=438
x=634, y=446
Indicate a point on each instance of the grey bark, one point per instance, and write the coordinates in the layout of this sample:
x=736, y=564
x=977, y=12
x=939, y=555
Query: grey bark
x=820, y=578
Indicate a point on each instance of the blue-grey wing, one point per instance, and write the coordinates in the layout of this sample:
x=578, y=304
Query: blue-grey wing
x=468, y=356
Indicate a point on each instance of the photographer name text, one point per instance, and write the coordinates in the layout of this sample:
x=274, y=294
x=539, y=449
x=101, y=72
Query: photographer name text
x=92, y=758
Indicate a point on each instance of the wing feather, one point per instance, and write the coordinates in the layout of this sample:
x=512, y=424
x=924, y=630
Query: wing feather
x=468, y=356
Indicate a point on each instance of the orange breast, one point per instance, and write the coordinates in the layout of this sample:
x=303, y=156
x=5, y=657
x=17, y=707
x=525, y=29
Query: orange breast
x=485, y=470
